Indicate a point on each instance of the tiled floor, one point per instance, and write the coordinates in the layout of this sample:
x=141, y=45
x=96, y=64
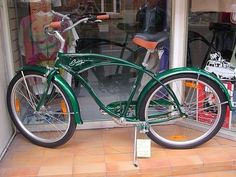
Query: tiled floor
x=109, y=152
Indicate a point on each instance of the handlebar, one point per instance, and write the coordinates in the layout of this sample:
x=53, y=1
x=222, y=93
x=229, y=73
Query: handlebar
x=90, y=18
x=53, y=27
x=103, y=17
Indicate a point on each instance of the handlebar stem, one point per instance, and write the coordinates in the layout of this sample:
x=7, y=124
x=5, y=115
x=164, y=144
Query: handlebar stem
x=71, y=27
x=61, y=39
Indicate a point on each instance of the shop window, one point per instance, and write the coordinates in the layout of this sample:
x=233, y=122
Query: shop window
x=211, y=24
x=211, y=40
x=112, y=37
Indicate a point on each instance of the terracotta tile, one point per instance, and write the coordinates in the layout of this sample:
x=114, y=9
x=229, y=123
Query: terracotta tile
x=111, y=149
x=92, y=141
x=115, y=141
x=212, y=174
x=216, y=158
x=21, y=144
x=59, y=160
x=109, y=152
x=89, y=168
x=180, y=152
x=90, y=175
x=156, y=147
x=57, y=157
x=185, y=160
x=124, y=174
x=2, y=171
x=161, y=172
x=117, y=137
x=153, y=167
x=20, y=172
x=216, y=167
x=208, y=150
x=30, y=153
x=56, y=176
x=224, y=141
x=186, y=164
x=88, y=159
x=212, y=163
x=23, y=160
x=210, y=143
x=88, y=150
x=230, y=173
x=57, y=152
x=121, y=166
x=146, y=164
x=118, y=157
x=55, y=170
x=191, y=175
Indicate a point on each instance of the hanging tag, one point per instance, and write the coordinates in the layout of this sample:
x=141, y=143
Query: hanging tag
x=143, y=148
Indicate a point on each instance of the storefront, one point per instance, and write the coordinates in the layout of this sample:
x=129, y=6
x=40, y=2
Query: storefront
x=185, y=21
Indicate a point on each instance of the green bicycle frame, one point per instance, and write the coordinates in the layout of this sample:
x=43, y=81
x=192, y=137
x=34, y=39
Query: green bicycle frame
x=76, y=63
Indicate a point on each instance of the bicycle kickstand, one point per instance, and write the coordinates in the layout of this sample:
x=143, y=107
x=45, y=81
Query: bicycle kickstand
x=135, y=161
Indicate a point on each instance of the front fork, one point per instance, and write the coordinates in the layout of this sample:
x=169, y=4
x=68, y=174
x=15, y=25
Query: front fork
x=49, y=76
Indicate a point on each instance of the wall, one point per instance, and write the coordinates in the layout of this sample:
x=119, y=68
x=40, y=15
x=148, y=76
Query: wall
x=179, y=33
x=13, y=33
x=6, y=72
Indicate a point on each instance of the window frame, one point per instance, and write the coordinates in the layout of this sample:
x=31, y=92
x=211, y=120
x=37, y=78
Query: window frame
x=115, y=10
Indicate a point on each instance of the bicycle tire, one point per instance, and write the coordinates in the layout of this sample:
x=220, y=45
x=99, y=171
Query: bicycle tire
x=202, y=101
x=51, y=126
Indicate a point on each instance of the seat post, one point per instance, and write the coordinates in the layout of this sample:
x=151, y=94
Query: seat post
x=147, y=56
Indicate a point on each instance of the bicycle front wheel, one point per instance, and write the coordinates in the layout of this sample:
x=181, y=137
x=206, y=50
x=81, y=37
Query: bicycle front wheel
x=53, y=124
x=195, y=120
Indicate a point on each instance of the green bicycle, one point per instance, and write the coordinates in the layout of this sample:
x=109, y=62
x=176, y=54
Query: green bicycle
x=179, y=108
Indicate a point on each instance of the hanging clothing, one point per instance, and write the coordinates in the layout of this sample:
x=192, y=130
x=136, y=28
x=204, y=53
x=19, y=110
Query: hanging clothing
x=35, y=45
x=151, y=19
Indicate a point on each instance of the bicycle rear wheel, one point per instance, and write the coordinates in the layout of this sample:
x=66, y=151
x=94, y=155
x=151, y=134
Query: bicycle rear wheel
x=203, y=105
x=53, y=124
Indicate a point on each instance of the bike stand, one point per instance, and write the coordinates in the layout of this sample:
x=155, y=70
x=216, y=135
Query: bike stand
x=143, y=127
x=135, y=161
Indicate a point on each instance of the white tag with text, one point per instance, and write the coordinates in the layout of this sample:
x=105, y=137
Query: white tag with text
x=143, y=148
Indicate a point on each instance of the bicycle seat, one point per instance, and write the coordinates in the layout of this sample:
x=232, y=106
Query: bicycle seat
x=150, y=41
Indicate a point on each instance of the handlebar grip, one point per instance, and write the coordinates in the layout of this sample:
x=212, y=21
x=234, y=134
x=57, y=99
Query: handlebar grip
x=103, y=17
x=55, y=25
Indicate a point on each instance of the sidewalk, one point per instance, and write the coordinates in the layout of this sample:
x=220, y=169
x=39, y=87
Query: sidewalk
x=109, y=153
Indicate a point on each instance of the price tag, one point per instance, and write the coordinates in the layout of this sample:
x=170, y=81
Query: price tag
x=143, y=148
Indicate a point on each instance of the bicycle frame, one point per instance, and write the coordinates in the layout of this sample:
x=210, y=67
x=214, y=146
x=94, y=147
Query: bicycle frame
x=79, y=63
